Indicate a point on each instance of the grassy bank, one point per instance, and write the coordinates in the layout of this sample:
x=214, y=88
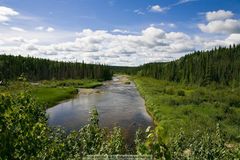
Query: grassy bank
x=176, y=106
x=52, y=96
x=50, y=92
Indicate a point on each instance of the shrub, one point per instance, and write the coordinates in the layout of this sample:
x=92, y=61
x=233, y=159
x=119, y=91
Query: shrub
x=24, y=134
x=181, y=93
x=169, y=91
x=173, y=102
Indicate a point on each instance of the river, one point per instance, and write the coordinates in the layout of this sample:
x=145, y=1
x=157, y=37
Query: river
x=118, y=103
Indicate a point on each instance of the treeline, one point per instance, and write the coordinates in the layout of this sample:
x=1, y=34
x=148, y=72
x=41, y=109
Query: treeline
x=220, y=65
x=124, y=70
x=34, y=69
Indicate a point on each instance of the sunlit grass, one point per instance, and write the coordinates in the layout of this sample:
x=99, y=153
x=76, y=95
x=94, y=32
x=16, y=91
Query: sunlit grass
x=52, y=96
x=190, y=107
x=50, y=92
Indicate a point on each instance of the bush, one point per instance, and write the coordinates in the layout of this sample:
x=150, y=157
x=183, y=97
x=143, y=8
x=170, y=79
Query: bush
x=234, y=101
x=173, y=102
x=181, y=93
x=169, y=91
x=24, y=134
x=201, y=145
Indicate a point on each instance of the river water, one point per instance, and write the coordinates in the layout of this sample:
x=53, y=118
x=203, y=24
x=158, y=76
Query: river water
x=118, y=104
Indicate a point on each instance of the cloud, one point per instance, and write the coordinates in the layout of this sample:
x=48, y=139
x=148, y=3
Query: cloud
x=172, y=25
x=157, y=8
x=221, y=26
x=117, y=46
x=220, y=21
x=50, y=29
x=18, y=29
x=39, y=28
x=47, y=29
x=6, y=13
x=120, y=31
x=212, y=43
x=101, y=46
x=113, y=48
x=184, y=1
x=219, y=15
x=138, y=12
x=164, y=25
x=233, y=39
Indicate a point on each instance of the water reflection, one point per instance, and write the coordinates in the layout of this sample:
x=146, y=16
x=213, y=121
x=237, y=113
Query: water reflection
x=118, y=104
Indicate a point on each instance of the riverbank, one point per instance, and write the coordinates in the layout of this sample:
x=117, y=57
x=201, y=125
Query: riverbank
x=50, y=92
x=177, y=107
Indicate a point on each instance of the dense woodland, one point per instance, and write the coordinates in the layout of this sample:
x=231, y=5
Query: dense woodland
x=124, y=70
x=219, y=65
x=11, y=67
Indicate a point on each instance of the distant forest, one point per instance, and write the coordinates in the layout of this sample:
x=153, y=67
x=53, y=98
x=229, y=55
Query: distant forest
x=220, y=65
x=34, y=69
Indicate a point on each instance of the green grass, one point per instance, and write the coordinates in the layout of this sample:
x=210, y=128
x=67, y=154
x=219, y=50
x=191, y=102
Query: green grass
x=51, y=96
x=85, y=83
x=50, y=92
x=174, y=106
x=91, y=85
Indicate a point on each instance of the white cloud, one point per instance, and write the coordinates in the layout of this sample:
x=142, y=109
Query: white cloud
x=39, y=28
x=6, y=13
x=230, y=40
x=50, y=29
x=221, y=26
x=220, y=21
x=18, y=29
x=114, y=47
x=120, y=31
x=101, y=46
x=172, y=25
x=139, y=12
x=164, y=25
x=184, y=1
x=47, y=29
x=219, y=15
x=233, y=39
x=157, y=8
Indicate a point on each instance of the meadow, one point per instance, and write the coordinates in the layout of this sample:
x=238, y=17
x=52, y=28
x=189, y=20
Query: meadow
x=177, y=107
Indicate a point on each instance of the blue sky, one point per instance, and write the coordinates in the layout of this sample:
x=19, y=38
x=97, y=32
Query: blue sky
x=116, y=32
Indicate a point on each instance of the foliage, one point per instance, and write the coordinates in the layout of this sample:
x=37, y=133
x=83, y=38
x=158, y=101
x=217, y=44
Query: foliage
x=49, y=92
x=151, y=143
x=181, y=93
x=52, y=96
x=200, y=108
x=35, y=69
x=77, y=83
x=23, y=127
x=124, y=70
x=24, y=134
x=221, y=66
x=201, y=146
